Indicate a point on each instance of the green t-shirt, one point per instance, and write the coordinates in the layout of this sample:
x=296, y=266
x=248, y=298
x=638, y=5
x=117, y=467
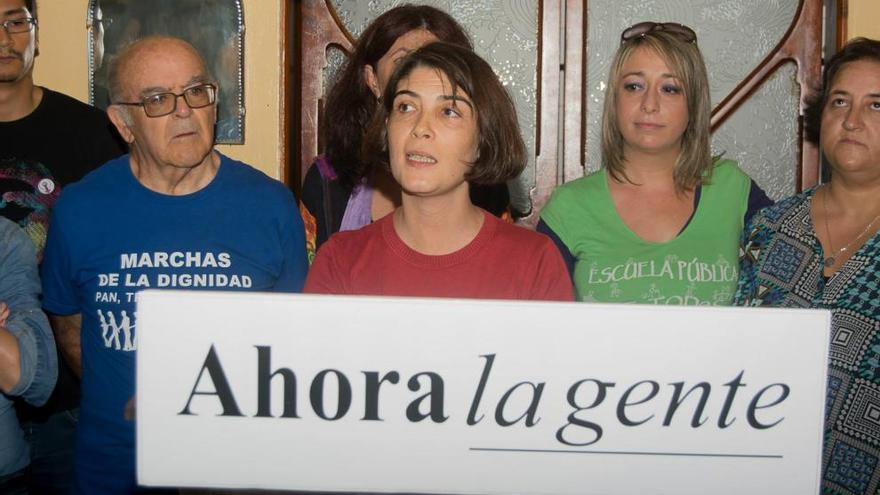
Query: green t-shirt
x=698, y=267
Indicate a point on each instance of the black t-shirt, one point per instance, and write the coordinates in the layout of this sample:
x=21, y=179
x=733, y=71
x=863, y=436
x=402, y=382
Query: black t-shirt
x=55, y=145
x=63, y=134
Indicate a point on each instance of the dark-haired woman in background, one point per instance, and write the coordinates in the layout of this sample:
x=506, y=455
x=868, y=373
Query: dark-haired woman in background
x=340, y=192
x=821, y=249
x=445, y=123
x=660, y=222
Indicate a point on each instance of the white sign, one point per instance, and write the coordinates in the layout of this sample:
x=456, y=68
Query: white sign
x=460, y=396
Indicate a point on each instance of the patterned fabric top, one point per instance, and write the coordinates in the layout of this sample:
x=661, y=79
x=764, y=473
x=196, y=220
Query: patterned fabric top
x=781, y=265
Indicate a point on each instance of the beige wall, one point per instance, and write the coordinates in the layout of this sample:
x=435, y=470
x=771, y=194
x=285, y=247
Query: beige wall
x=864, y=19
x=62, y=66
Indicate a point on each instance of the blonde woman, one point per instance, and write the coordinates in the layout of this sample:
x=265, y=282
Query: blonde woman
x=660, y=222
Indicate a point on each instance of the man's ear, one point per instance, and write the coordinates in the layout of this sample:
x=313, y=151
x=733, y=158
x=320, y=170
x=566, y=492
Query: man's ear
x=120, y=120
x=217, y=105
x=372, y=80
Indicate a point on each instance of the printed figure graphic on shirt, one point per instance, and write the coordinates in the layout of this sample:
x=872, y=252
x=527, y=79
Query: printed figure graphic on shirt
x=106, y=329
x=110, y=331
x=128, y=329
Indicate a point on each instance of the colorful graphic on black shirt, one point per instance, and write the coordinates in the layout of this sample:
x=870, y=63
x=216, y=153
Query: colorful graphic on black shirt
x=27, y=193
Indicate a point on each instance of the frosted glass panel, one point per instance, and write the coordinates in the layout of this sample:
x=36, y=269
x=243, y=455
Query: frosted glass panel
x=762, y=134
x=734, y=36
x=505, y=33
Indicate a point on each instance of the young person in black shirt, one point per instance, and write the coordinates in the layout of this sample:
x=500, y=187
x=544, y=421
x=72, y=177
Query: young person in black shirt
x=47, y=141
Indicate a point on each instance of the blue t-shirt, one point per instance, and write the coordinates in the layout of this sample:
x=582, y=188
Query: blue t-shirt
x=110, y=237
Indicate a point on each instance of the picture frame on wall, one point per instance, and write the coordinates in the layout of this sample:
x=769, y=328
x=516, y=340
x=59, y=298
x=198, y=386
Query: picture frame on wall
x=214, y=27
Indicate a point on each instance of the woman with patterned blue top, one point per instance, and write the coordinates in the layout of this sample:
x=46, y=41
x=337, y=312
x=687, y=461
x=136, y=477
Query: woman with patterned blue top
x=821, y=249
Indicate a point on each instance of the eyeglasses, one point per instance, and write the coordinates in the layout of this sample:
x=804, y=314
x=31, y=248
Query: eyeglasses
x=15, y=26
x=639, y=30
x=162, y=104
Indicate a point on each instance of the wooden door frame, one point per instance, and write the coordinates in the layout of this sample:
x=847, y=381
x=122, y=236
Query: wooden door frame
x=318, y=28
x=561, y=127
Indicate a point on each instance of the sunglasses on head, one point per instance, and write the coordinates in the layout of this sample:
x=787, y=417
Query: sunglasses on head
x=639, y=30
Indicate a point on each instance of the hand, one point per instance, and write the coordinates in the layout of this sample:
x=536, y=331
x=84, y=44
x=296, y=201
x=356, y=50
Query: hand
x=4, y=314
x=131, y=408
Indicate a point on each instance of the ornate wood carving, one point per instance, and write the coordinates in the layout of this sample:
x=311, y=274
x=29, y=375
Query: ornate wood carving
x=319, y=29
x=801, y=44
x=561, y=120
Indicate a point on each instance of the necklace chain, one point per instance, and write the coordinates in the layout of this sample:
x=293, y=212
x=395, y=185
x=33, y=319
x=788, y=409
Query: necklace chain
x=830, y=260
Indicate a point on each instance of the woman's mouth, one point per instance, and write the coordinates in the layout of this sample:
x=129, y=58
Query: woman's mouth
x=420, y=158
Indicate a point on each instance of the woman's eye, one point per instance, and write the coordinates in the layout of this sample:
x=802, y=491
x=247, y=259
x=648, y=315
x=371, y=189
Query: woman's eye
x=837, y=102
x=632, y=86
x=671, y=89
x=875, y=105
x=451, y=112
x=404, y=107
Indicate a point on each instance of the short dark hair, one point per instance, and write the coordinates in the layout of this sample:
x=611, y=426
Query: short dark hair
x=855, y=50
x=350, y=103
x=31, y=5
x=501, y=153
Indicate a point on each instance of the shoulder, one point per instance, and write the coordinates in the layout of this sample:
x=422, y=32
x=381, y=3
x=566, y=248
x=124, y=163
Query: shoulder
x=103, y=182
x=574, y=200
x=69, y=106
x=364, y=235
x=593, y=181
x=313, y=178
x=791, y=216
x=576, y=189
x=534, y=257
x=251, y=181
x=107, y=175
x=521, y=237
x=322, y=172
x=344, y=248
x=319, y=172
x=726, y=170
x=784, y=209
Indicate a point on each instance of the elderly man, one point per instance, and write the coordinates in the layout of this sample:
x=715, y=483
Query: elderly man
x=47, y=141
x=28, y=364
x=173, y=214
